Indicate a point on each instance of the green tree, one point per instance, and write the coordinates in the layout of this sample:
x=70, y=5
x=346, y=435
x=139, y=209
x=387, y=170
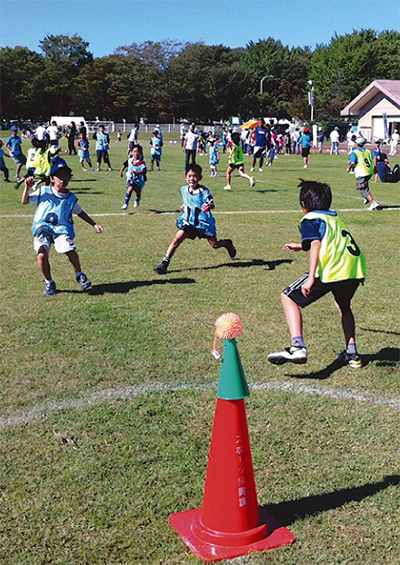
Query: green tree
x=64, y=57
x=20, y=89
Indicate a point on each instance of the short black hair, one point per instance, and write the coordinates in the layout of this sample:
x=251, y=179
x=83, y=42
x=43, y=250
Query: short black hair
x=138, y=146
x=315, y=195
x=196, y=169
x=382, y=157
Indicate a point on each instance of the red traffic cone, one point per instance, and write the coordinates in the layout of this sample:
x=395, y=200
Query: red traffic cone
x=230, y=522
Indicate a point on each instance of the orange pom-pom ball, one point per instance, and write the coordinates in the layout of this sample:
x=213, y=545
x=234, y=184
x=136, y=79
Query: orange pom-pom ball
x=228, y=326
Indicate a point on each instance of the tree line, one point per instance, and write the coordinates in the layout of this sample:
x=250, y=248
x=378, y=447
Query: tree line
x=166, y=81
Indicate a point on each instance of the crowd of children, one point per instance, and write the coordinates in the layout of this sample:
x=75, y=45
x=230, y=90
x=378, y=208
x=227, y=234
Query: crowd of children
x=336, y=263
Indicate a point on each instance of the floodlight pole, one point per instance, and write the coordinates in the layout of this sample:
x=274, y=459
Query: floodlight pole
x=311, y=98
x=261, y=90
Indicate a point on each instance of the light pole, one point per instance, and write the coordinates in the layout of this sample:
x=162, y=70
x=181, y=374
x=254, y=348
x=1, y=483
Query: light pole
x=261, y=91
x=311, y=98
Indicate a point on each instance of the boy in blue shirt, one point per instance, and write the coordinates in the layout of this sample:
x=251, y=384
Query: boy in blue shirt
x=102, y=147
x=336, y=265
x=196, y=219
x=53, y=224
x=13, y=145
x=156, y=149
x=305, y=141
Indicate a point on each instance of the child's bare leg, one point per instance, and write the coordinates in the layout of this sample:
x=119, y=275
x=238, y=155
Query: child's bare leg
x=244, y=175
x=175, y=243
x=227, y=243
x=74, y=259
x=348, y=323
x=293, y=316
x=44, y=264
x=228, y=176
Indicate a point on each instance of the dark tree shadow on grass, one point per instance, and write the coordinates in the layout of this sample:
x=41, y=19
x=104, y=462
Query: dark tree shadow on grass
x=240, y=264
x=381, y=207
x=387, y=357
x=289, y=512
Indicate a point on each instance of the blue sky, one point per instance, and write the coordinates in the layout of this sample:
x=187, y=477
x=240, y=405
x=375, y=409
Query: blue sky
x=108, y=24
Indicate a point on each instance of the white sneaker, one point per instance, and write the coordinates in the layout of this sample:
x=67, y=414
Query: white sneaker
x=124, y=206
x=228, y=187
x=136, y=204
x=292, y=354
x=252, y=182
x=260, y=169
x=305, y=167
x=374, y=205
x=109, y=168
x=83, y=169
x=252, y=170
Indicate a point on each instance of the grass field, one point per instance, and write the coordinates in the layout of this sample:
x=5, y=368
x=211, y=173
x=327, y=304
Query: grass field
x=108, y=397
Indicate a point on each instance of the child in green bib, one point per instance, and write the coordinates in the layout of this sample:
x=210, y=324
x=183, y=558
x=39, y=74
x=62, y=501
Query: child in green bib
x=336, y=265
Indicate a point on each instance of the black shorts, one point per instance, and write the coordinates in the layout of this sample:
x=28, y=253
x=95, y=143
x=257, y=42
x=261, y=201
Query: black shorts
x=305, y=152
x=343, y=291
x=192, y=233
x=238, y=166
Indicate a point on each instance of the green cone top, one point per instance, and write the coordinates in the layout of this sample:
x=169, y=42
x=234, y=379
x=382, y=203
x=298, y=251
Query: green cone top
x=232, y=380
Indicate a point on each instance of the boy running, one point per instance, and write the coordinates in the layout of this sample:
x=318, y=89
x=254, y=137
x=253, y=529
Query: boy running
x=52, y=223
x=236, y=161
x=337, y=265
x=196, y=219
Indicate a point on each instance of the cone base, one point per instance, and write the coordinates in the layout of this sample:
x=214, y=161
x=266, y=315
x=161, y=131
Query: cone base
x=188, y=525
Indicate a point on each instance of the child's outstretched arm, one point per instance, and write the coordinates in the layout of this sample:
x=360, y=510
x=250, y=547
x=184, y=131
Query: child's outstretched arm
x=91, y=222
x=29, y=182
x=292, y=247
x=314, y=254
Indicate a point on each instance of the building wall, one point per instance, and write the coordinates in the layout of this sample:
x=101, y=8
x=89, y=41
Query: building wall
x=370, y=120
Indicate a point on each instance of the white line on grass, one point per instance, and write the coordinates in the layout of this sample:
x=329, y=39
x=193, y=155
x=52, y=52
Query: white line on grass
x=226, y=213
x=126, y=393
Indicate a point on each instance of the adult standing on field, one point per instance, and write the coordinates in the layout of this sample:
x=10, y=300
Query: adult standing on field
x=190, y=146
x=133, y=137
x=334, y=138
x=262, y=142
x=82, y=129
x=102, y=147
x=71, y=139
x=394, y=140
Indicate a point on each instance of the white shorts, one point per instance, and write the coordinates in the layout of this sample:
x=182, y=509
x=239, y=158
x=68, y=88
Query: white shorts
x=62, y=243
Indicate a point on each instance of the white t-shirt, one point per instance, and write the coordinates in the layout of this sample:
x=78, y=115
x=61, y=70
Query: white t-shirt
x=334, y=136
x=40, y=132
x=191, y=140
x=52, y=132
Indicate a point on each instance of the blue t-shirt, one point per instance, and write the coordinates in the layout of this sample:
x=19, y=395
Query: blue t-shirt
x=15, y=145
x=261, y=136
x=305, y=140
